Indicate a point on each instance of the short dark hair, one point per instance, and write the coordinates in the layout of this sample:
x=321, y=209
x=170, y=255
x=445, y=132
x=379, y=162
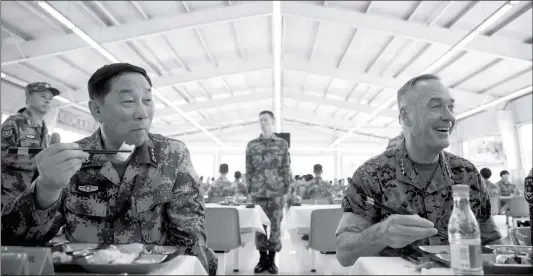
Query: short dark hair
x=485, y=173
x=237, y=175
x=267, y=112
x=297, y=177
x=504, y=172
x=408, y=86
x=99, y=84
x=223, y=169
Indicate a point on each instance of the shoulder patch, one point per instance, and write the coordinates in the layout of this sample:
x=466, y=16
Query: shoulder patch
x=7, y=133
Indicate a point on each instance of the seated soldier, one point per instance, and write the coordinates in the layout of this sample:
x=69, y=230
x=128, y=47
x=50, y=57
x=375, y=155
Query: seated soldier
x=151, y=196
x=416, y=175
x=318, y=188
x=222, y=187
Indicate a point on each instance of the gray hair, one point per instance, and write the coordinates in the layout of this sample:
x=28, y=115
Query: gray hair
x=410, y=84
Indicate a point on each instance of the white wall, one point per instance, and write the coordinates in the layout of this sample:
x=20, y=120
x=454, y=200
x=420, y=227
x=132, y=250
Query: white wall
x=522, y=109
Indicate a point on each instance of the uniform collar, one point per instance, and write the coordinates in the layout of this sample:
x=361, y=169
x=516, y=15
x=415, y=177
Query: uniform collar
x=406, y=173
x=272, y=137
x=31, y=122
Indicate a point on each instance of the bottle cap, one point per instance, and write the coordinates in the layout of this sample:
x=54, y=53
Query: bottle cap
x=461, y=189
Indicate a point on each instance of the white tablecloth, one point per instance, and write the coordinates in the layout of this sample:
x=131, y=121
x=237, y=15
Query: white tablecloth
x=182, y=265
x=300, y=216
x=391, y=266
x=248, y=218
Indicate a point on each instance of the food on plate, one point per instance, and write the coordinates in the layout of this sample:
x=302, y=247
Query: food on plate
x=61, y=258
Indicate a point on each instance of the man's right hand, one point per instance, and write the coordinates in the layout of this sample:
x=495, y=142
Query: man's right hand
x=57, y=164
x=398, y=231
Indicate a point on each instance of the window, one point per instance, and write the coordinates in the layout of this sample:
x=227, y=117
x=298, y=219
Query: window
x=524, y=132
x=234, y=162
x=350, y=165
x=203, y=164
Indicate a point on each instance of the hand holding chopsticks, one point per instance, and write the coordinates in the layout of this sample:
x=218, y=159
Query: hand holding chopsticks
x=29, y=150
x=400, y=211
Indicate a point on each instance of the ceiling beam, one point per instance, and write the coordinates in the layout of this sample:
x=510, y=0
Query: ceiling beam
x=289, y=93
x=496, y=46
x=251, y=115
x=465, y=98
x=57, y=45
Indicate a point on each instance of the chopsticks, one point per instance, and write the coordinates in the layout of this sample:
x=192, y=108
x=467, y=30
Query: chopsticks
x=400, y=210
x=30, y=150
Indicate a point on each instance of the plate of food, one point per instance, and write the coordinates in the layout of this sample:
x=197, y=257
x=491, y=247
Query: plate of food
x=133, y=258
x=495, y=264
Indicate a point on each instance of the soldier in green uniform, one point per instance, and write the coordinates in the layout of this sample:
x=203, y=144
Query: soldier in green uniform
x=268, y=177
x=416, y=175
x=318, y=188
x=24, y=129
x=222, y=187
x=151, y=196
x=239, y=187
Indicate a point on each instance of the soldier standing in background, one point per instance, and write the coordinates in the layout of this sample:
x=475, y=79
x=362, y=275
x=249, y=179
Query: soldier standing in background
x=25, y=129
x=268, y=177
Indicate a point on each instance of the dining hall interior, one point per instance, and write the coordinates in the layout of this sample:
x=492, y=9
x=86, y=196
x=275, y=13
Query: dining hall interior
x=329, y=72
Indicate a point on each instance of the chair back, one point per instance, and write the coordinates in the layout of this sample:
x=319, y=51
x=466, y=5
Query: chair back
x=316, y=201
x=324, y=224
x=216, y=199
x=519, y=207
x=223, y=228
x=521, y=236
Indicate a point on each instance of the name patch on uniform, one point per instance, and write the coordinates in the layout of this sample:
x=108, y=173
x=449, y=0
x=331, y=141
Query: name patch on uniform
x=30, y=136
x=88, y=188
x=7, y=133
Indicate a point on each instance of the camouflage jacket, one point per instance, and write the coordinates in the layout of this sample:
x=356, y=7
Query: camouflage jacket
x=506, y=189
x=19, y=130
x=318, y=189
x=268, y=166
x=158, y=201
x=392, y=179
x=239, y=188
x=220, y=188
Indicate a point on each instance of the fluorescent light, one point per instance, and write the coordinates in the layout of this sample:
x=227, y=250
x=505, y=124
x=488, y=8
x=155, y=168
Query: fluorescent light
x=65, y=21
x=276, y=47
x=441, y=60
x=62, y=99
x=508, y=97
x=3, y=75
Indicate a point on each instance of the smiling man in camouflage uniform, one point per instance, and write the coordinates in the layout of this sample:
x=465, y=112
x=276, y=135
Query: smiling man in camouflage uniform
x=150, y=197
x=25, y=129
x=416, y=175
x=268, y=176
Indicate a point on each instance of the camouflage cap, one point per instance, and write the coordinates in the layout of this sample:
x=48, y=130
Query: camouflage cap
x=40, y=86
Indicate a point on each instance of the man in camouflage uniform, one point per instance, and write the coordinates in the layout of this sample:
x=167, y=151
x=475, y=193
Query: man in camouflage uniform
x=150, y=197
x=239, y=188
x=268, y=177
x=222, y=187
x=393, y=142
x=24, y=129
x=318, y=188
x=416, y=175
